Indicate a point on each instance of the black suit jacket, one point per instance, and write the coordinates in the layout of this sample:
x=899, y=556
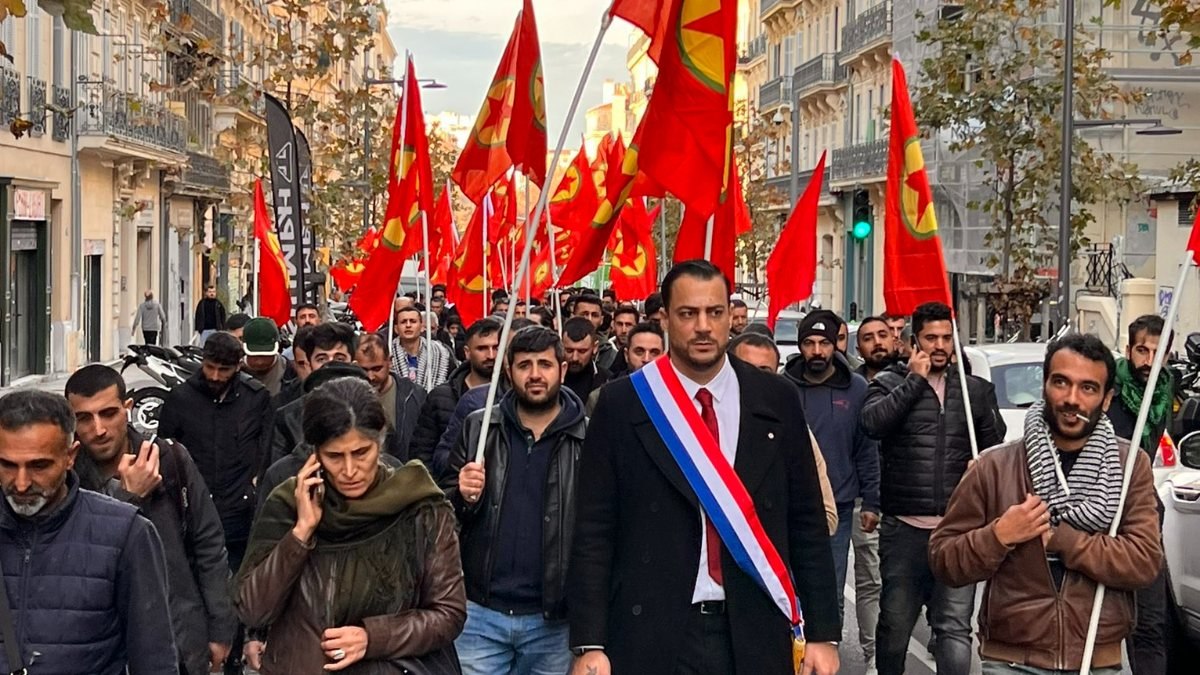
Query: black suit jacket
x=637, y=537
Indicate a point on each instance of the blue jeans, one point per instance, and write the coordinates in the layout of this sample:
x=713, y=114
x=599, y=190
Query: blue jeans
x=840, y=543
x=908, y=586
x=495, y=643
x=1000, y=668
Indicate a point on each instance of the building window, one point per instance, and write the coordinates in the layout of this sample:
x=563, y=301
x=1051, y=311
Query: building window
x=58, y=47
x=33, y=43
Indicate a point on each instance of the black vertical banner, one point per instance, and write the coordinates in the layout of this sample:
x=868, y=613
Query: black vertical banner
x=285, y=188
x=304, y=162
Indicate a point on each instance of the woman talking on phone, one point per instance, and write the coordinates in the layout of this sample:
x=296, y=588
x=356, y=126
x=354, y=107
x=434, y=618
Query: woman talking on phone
x=353, y=566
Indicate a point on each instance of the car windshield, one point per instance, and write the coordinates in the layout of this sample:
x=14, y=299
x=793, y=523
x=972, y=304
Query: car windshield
x=1018, y=385
x=786, y=331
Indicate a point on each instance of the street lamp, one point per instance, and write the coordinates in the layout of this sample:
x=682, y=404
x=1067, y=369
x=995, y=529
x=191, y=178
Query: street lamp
x=368, y=202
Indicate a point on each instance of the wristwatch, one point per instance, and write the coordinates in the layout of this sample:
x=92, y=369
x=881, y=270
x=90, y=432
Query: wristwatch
x=580, y=651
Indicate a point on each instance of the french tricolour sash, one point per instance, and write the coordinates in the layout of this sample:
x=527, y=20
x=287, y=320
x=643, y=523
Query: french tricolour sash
x=719, y=489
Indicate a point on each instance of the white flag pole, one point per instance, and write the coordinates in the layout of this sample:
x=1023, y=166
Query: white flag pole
x=708, y=237
x=403, y=133
x=428, y=295
x=962, y=380
x=506, y=333
x=487, y=216
x=1160, y=355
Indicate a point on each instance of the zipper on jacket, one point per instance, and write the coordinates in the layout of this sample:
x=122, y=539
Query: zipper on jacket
x=493, y=531
x=939, y=462
x=331, y=593
x=1059, y=659
x=26, y=568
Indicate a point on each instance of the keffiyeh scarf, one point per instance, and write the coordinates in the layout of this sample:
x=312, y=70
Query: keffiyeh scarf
x=1093, y=488
x=433, y=355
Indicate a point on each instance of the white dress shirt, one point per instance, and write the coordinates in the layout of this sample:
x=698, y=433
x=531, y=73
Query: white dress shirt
x=727, y=402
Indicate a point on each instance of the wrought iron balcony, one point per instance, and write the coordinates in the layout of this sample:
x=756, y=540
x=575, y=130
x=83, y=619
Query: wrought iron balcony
x=755, y=49
x=822, y=71
x=866, y=29
x=203, y=21
x=805, y=176
x=37, y=106
x=107, y=111
x=10, y=95
x=203, y=171
x=62, y=120
x=774, y=93
x=862, y=160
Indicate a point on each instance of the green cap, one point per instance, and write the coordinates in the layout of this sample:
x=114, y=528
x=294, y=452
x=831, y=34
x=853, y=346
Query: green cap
x=260, y=337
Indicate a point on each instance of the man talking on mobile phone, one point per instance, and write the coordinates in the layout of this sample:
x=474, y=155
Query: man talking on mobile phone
x=160, y=479
x=917, y=412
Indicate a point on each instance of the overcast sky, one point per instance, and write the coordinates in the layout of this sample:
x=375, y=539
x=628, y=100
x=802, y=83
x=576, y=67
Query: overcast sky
x=459, y=42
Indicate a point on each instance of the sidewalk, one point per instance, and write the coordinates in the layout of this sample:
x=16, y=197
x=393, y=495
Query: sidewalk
x=54, y=382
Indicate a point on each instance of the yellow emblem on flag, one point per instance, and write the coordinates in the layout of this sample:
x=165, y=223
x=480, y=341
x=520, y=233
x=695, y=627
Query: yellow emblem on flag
x=916, y=196
x=491, y=126
x=700, y=44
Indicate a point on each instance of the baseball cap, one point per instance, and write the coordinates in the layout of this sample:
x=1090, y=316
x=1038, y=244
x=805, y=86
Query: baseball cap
x=260, y=337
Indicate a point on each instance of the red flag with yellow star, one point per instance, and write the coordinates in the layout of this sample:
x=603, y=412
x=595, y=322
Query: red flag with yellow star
x=634, y=272
x=465, y=287
x=590, y=242
x=575, y=199
x=684, y=143
x=914, y=271
x=410, y=193
x=274, y=296
x=511, y=127
x=346, y=272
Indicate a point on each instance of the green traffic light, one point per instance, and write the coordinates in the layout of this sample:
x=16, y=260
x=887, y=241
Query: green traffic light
x=862, y=230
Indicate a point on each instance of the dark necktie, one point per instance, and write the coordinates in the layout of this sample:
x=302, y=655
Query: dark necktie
x=709, y=415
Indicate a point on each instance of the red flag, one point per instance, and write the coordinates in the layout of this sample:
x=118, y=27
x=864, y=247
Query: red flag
x=1194, y=240
x=511, y=127
x=274, y=296
x=792, y=267
x=442, y=234
x=346, y=273
x=575, y=199
x=684, y=141
x=465, y=289
x=634, y=272
x=914, y=271
x=410, y=193
x=731, y=219
x=589, y=243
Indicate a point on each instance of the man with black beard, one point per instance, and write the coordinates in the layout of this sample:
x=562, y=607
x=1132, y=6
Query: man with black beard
x=225, y=420
x=517, y=516
x=833, y=397
x=581, y=342
x=483, y=340
x=916, y=411
x=1148, y=644
x=1032, y=518
x=876, y=347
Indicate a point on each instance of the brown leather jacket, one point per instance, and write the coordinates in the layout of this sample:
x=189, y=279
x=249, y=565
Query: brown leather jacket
x=297, y=586
x=1023, y=619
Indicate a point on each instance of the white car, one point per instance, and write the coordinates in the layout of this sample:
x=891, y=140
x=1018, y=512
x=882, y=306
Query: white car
x=1180, y=495
x=1015, y=370
x=787, y=330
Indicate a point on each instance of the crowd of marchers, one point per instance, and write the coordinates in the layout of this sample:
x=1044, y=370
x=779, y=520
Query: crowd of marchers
x=347, y=503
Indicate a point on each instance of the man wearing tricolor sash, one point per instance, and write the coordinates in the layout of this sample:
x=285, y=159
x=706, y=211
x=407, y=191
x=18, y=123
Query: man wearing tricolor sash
x=700, y=540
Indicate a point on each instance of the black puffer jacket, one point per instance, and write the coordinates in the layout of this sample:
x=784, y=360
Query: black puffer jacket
x=480, y=521
x=436, y=413
x=924, y=446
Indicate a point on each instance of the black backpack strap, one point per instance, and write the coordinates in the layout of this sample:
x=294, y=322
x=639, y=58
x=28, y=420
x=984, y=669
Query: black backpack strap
x=12, y=649
x=171, y=468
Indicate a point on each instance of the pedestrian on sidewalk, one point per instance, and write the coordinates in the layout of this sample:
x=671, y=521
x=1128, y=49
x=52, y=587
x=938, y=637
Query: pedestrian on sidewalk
x=210, y=315
x=151, y=317
x=917, y=413
x=1045, y=502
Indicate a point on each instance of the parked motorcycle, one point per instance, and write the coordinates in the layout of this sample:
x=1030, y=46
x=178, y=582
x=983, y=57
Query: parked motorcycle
x=168, y=368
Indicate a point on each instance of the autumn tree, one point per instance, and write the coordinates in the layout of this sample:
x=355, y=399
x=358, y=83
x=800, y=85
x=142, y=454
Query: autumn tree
x=992, y=85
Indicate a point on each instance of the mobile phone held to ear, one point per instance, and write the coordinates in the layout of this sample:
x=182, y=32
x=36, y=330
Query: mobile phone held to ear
x=317, y=492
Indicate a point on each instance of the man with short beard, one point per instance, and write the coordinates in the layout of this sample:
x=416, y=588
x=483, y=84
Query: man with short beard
x=916, y=411
x=624, y=319
x=401, y=398
x=161, y=480
x=260, y=341
x=518, y=514
x=584, y=374
x=1032, y=517
x=483, y=339
x=833, y=398
x=84, y=575
x=876, y=347
x=1148, y=644
x=739, y=314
